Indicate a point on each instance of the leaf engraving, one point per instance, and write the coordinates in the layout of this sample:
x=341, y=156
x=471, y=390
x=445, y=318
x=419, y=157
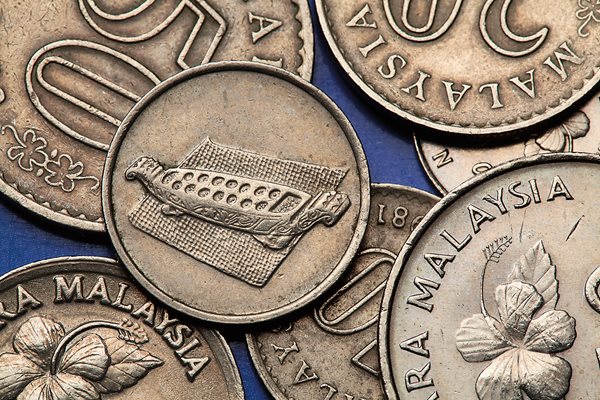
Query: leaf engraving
x=494, y=250
x=129, y=364
x=535, y=267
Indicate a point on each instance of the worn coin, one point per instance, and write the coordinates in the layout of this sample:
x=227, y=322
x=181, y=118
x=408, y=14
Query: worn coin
x=516, y=63
x=448, y=165
x=80, y=328
x=71, y=70
x=246, y=181
x=495, y=295
x=330, y=352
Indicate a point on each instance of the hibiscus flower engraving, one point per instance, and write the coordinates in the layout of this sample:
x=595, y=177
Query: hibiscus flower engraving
x=589, y=10
x=31, y=154
x=52, y=364
x=559, y=138
x=523, y=341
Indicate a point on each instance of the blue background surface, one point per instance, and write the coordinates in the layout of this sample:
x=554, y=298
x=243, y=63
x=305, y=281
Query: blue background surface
x=387, y=141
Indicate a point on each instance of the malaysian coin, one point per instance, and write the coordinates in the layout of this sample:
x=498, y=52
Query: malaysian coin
x=71, y=70
x=495, y=294
x=516, y=63
x=448, y=165
x=236, y=192
x=80, y=328
x=331, y=351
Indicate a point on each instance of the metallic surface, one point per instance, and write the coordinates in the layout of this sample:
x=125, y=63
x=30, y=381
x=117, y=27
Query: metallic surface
x=448, y=165
x=434, y=63
x=71, y=70
x=79, y=327
x=258, y=124
x=495, y=294
x=331, y=349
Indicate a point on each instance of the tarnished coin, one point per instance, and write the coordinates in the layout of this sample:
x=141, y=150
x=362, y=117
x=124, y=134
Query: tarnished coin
x=495, y=295
x=70, y=70
x=80, y=328
x=448, y=165
x=236, y=192
x=331, y=352
x=435, y=62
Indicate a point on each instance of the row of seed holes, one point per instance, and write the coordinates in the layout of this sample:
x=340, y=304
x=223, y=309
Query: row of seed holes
x=231, y=184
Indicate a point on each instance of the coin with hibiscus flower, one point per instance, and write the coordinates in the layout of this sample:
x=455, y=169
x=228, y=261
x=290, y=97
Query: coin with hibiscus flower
x=496, y=294
x=80, y=329
x=448, y=165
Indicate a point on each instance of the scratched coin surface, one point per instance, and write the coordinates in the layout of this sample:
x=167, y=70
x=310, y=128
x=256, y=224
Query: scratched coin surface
x=70, y=70
x=81, y=328
x=330, y=352
x=448, y=165
x=236, y=192
x=434, y=62
x=495, y=295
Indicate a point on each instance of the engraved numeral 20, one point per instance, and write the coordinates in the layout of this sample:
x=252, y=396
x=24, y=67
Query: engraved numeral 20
x=440, y=19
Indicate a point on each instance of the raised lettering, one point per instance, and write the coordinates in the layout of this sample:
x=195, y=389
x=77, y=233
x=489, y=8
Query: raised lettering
x=454, y=96
x=360, y=19
x=561, y=57
x=99, y=292
x=438, y=262
x=304, y=374
x=442, y=158
x=418, y=300
x=265, y=26
x=415, y=378
x=523, y=85
x=525, y=199
x=25, y=300
x=64, y=292
x=455, y=243
x=372, y=46
x=478, y=217
x=391, y=66
x=559, y=188
x=416, y=344
x=493, y=87
x=285, y=351
x=498, y=201
x=423, y=76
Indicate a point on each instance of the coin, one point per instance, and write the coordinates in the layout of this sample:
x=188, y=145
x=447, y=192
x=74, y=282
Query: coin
x=71, y=70
x=80, y=328
x=448, y=165
x=495, y=295
x=236, y=192
x=434, y=62
x=331, y=350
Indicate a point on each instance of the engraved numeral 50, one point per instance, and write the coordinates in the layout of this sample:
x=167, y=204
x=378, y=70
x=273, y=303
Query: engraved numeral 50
x=438, y=22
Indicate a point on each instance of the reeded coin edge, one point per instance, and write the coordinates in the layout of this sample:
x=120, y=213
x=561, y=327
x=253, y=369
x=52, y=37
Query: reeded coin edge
x=306, y=35
x=451, y=197
x=254, y=347
x=69, y=264
x=441, y=128
x=326, y=102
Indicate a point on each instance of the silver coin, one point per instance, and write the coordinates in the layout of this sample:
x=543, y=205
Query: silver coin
x=236, y=192
x=330, y=352
x=70, y=70
x=448, y=164
x=495, y=295
x=80, y=328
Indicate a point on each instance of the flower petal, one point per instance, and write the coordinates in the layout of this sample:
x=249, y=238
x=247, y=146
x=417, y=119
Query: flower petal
x=480, y=340
x=553, y=140
x=86, y=357
x=501, y=379
x=544, y=376
x=517, y=302
x=60, y=387
x=577, y=125
x=16, y=372
x=37, y=338
x=553, y=332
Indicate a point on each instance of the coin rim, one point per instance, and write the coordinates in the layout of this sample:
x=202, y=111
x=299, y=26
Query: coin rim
x=442, y=129
x=326, y=103
x=61, y=216
x=57, y=264
x=430, y=218
x=263, y=372
x=428, y=170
